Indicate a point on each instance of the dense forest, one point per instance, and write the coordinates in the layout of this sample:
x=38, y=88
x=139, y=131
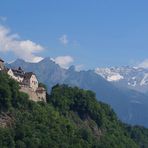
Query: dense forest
x=71, y=118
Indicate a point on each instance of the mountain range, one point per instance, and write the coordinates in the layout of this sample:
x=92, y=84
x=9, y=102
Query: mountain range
x=126, y=77
x=131, y=105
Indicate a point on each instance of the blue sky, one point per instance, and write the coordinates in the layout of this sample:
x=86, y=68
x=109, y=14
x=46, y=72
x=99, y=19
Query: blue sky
x=92, y=33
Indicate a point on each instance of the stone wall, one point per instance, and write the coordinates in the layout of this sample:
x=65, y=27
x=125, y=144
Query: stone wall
x=41, y=93
x=33, y=95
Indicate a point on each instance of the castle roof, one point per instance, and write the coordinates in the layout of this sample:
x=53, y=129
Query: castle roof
x=18, y=72
x=28, y=75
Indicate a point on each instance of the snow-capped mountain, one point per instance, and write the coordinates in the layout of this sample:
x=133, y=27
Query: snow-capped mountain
x=127, y=77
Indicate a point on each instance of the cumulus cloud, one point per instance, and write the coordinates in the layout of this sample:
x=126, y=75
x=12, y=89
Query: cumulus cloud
x=144, y=64
x=64, y=39
x=25, y=49
x=63, y=61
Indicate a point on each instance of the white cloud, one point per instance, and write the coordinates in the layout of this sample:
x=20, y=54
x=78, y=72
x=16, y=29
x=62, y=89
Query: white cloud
x=25, y=49
x=144, y=64
x=64, y=39
x=79, y=67
x=63, y=61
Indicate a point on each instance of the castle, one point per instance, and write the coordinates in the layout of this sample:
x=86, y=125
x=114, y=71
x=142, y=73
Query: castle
x=28, y=82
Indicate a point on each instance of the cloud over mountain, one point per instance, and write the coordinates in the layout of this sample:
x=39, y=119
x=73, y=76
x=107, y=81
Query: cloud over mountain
x=144, y=64
x=25, y=49
x=63, y=61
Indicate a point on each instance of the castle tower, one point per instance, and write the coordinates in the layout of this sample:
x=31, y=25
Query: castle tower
x=1, y=64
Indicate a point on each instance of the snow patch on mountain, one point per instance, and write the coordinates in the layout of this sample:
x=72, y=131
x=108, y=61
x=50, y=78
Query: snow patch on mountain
x=132, y=84
x=128, y=77
x=144, y=81
x=109, y=74
x=115, y=77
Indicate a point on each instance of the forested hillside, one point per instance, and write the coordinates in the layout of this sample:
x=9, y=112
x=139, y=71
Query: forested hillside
x=71, y=118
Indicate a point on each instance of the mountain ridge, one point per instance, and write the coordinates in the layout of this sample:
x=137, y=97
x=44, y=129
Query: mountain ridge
x=135, y=78
x=122, y=101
